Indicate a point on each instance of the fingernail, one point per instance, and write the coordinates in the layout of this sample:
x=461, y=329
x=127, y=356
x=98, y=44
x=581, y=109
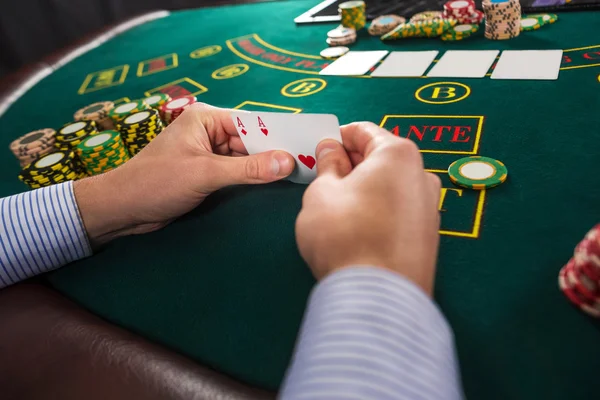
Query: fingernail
x=280, y=164
x=323, y=152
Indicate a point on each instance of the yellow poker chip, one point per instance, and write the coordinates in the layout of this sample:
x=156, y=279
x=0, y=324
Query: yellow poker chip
x=477, y=172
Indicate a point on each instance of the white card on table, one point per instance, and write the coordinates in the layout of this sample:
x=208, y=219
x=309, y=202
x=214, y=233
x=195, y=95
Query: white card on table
x=354, y=63
x=464, y=64
x=298, y=134
x=405, y=63
x=528, y=64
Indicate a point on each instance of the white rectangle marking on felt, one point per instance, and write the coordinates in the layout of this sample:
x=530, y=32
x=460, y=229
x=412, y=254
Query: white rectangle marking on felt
x=464, y=64
x=406, y=63
x=528, y=64
x=354, y=63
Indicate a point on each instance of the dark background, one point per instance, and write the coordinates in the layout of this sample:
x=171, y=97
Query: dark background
x=32, y=29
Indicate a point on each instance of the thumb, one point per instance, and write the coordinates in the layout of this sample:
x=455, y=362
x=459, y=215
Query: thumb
x=258, y=168
x=332, y=159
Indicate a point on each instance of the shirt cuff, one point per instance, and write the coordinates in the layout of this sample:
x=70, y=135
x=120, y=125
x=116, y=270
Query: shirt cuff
x=41, y=230
x=369, y=333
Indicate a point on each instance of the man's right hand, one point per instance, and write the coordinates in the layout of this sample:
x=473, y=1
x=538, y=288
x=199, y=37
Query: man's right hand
x=371, y=204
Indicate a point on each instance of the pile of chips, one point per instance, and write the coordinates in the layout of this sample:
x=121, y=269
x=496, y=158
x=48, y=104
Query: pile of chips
x=579, y=279
x=123, y=110
x=502, y=20
x=174, y=108
x=157, y=100
x=102, y=152
x=463, y=11
x=33, y=145
x=57, y=167
x=341, y=36
x=138, y=129
x=97, y=112
x=73, y=133
x=428, y=28
x=385, y=23
x=353, y=14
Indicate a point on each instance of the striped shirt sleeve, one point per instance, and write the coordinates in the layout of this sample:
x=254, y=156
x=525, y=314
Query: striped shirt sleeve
x=369, y=333
x=40, y=230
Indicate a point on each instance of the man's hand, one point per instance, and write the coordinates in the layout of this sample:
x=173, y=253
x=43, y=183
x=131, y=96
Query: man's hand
x=371, y=204
x=198, y=154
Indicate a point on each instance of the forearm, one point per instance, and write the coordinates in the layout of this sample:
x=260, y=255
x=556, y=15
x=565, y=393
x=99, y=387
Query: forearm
x=371, y=334
x=40, y=230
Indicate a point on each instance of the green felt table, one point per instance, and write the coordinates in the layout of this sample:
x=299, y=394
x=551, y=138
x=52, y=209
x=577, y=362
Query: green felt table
x=225, y=284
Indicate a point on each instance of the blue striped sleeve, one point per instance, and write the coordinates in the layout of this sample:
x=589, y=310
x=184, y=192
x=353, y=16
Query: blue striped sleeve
x=40, y=230
x=369, y=333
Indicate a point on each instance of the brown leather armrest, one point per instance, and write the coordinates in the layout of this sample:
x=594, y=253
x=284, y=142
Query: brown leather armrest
x=50, y=348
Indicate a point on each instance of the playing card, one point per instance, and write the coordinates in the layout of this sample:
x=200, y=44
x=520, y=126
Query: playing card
x=297, y=134
x=405, y=63
x=528, y=64
x=464, y=64
x=249, y=130
x=354, y=63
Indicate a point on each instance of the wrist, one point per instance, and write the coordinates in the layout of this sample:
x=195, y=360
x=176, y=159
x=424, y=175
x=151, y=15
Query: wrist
x=417, y=275
x=102, y=209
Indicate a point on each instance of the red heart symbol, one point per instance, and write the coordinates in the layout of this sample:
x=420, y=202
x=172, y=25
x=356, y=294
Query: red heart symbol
x=244, y=131
x=265, y=131
x=309, y=161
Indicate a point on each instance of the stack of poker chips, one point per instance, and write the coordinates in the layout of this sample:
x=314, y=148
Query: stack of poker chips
x=579, y=279
x=138, y=129
x=174, y=108
x=341, y=36
x=33, y=145
x=73, y=133
x=102, y=152
x=157, y=100
x=429, y=28
x=353, y=14
x=121, y=111
x=384, y=24
x=463, y=11
x=57, y=167
x=502, y=20
x=97, y=112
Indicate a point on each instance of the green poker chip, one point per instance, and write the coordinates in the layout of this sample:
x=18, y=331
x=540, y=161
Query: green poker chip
x=477, y=172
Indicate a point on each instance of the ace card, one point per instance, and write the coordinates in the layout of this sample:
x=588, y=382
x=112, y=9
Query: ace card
x=297, y=134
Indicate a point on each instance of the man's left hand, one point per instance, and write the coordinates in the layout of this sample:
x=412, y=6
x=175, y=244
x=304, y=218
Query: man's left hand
x=199, y=153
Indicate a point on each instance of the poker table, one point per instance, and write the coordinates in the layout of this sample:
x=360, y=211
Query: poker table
x=225, y=284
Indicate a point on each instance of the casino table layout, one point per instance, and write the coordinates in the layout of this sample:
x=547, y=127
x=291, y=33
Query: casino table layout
x=225, y=285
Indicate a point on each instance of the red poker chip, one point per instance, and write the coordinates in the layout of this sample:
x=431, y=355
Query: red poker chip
x=566, y=288
x=590, y=270
x=580, y=283
x=588, y=251
x=474, y=18
x=460, y=8
x=178, y=103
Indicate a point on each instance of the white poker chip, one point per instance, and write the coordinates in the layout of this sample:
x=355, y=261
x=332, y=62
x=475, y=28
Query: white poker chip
x=334, y=52
x=341, y=32
x=529, y=22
